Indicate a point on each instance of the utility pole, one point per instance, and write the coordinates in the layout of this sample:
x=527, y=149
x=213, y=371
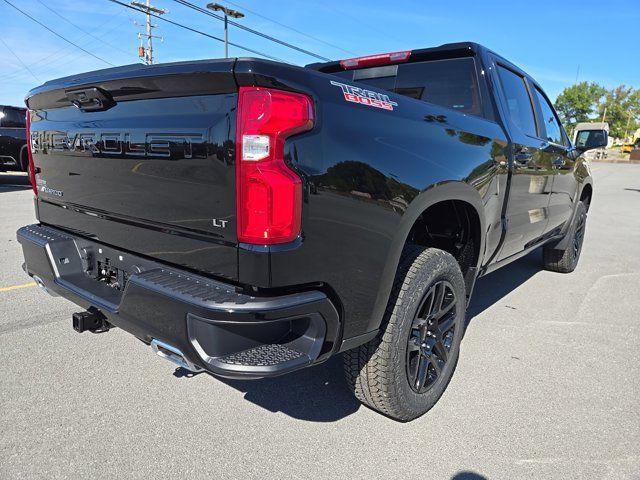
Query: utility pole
x=626, y=130
x=227, y=13
x=147, y=53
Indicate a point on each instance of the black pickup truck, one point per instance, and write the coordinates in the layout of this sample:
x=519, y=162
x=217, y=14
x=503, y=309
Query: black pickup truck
x=249, y=218
x=13, y=139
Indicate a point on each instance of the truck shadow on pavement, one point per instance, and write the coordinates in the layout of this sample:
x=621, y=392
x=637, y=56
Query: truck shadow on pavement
x=320, y=393
x=468, y=475
x=316, y=394
x=496, y=285
x=14, y=182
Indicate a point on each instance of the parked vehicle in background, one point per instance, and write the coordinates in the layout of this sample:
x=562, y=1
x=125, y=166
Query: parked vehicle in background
x=13, y=143
x=578, y=137
x=628, y=147
x=249, y=218
x=589, y=126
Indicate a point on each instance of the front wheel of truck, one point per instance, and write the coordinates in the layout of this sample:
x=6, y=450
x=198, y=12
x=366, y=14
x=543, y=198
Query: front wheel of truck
x=403, y=372
x=566, y=261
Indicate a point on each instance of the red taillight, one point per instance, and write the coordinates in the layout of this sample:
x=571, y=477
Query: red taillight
x=269, y=194
x=375, y=60
x=32, y=170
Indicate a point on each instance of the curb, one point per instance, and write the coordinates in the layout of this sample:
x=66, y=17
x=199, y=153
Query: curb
x=635, y=162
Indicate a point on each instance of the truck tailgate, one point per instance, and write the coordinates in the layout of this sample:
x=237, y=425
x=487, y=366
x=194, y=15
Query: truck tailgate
x=144, y=163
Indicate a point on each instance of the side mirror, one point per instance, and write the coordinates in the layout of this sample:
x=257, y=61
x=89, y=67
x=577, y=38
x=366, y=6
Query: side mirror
x=590, y=139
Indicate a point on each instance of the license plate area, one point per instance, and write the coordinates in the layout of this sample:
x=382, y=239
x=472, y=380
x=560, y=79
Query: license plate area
x=111, y=275
x=108, y=266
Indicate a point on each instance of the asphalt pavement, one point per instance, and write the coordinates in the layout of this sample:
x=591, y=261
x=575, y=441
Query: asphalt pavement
x=547, y=386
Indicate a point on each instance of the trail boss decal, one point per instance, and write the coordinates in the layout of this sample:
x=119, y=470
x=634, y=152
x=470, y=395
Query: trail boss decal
x=365, y=97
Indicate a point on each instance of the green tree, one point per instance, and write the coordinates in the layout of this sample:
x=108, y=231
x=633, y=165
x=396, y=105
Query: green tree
x=623, y=109
x=578, y=103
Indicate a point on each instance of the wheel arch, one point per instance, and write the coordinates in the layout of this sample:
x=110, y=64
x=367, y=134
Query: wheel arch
x=452, y=191
x=586, y=194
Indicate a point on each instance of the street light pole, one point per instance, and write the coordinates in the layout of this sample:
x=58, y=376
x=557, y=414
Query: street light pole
x=228, y=12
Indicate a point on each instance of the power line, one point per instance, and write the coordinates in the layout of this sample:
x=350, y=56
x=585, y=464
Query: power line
x=20, y=60
x=197, y=31
x=251, y=30
x=57, y=34
x=360, y=22
x=290, y=28
x=80, y=28
x=56, y=56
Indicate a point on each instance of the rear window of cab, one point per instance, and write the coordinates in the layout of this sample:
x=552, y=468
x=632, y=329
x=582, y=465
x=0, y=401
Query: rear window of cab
x=450, y=83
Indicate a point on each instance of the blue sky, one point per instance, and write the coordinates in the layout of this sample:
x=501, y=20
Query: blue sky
x=551, y=40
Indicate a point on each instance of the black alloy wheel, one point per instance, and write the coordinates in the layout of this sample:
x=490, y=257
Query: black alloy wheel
x=431, y=336
x=578, y=237
x=565, y=259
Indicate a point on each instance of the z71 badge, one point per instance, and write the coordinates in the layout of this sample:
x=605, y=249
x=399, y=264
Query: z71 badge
x=365, y=97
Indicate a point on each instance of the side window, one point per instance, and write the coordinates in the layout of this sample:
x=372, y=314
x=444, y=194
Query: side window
x=550, y=121
x=450, y=83
x=13, y=117
x=518, y=101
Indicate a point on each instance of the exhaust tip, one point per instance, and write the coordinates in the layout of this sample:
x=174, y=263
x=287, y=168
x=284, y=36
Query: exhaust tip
x=174, y=355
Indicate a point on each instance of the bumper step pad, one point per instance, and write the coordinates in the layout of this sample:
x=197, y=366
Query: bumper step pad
x=195, y=288
x=262, y=356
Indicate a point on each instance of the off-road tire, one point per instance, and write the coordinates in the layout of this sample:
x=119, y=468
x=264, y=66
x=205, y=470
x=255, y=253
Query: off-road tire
x=24, y=160
x=566, y=261
x=377, y=371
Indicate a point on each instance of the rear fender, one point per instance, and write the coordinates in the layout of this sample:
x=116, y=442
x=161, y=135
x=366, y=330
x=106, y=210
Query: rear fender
x=453, y=190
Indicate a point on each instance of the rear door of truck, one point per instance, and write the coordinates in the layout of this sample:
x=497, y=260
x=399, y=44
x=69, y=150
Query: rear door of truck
x=142, y=158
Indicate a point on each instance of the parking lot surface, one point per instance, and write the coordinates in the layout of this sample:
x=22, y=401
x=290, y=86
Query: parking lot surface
x=548, y=383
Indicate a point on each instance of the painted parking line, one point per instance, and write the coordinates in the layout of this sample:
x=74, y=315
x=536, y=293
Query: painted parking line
x=17, y=287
